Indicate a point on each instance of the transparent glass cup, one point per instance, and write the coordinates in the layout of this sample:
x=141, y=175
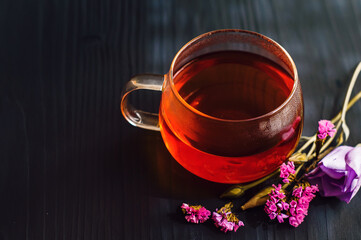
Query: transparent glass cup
x=213, y=148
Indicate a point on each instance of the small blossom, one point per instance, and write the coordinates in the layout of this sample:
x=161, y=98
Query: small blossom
x=285, y=206
x=304, y=200
x=325, y=127
x=293, y=211
x=300, y=210
x=281, y=195
x=281, y=216
x=297, y=192
x=300, y=217
x=272, y=215
x=195, y=214
x=293, y=203
x=278, y=187
x=293, y=221
x=273, y=208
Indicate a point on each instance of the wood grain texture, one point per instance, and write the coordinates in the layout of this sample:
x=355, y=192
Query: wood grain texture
x=73, y=168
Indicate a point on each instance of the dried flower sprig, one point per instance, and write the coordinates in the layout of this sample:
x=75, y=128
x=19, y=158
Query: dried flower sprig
x=293, y=205
x=195, y=214
x=225, y=219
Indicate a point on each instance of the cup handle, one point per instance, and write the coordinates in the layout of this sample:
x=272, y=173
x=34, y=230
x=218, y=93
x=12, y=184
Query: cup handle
x=137, y=117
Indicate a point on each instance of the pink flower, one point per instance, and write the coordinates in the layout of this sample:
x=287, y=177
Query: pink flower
x=272, y=215
x=300, y=210
x=281, y=195
x=225, y=219
x=300, y=218
x=284, y=174
x=293, y=211
x=286, y=180
x=286, y=170
x=185, y=207
x=293, y=221
x=285, y=206
x=195, y=214
x=273, y=208
x=297, y=192
x=293, y=203
x=221, y=221
x=191, y=218
x=304, y=200
x=295, y=207
x=281, y=216
x=236, y=226
x=325, y=127
x=291, y=167
x=278, y=187
x=273, y=199
x=217, y=217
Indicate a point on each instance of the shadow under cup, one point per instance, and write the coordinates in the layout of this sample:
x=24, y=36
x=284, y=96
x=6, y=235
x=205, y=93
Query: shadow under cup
x=231, y=109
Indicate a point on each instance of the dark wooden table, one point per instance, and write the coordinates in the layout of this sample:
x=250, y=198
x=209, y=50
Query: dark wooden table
x=71, y=167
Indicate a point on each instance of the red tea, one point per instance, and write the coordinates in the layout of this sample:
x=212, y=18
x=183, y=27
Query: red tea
x=230, y=86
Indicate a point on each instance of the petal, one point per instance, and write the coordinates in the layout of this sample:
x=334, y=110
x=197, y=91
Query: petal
x=353, y=160
x=346, y=197
x=330, y=187
x=355, y=190
x=334, y=163
x=315, y=173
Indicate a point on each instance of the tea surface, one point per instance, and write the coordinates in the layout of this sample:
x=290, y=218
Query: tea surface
x=233, y=85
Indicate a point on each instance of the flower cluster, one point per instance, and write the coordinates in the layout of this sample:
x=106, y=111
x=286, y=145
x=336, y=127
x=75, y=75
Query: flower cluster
x=276, y=204
x=195, y=214
x=225, y=219
x=325, y=127
x=294, y=208
x=286, y=170
x=298, y=206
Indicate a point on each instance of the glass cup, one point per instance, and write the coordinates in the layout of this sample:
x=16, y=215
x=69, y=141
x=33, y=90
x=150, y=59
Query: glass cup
x=231, y=108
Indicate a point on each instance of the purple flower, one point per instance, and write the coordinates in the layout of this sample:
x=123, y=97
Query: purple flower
x=338, y=174
x=325, y=127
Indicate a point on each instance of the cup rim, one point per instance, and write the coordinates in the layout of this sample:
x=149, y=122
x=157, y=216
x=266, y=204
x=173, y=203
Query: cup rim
x=220, y=31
